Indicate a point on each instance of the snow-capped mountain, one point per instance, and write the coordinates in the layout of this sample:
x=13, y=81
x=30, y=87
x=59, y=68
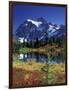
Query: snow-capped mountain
x=39, y=28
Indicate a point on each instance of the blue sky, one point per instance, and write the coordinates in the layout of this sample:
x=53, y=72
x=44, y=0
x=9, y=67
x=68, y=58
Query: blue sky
x=22, y=12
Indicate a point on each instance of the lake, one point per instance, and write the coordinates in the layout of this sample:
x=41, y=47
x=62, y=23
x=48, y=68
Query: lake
x=40, y=58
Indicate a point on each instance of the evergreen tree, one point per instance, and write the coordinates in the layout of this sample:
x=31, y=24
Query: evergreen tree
x=46, y=37
x=37, y=43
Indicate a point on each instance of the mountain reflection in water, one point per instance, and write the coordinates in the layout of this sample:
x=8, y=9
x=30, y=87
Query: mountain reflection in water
x=40, y=58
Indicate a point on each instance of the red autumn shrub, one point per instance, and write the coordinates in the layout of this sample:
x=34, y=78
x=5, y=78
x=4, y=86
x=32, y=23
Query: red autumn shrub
x=33, y=79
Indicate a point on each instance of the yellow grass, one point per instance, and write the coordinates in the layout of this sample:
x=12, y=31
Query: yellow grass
x=28, y=65
x=31, y=66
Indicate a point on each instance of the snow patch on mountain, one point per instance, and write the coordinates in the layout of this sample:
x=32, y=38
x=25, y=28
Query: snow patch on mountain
x=58, y=27
x=26, y=24
x=50, y=27
x=41, y=38
x=37, y=23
